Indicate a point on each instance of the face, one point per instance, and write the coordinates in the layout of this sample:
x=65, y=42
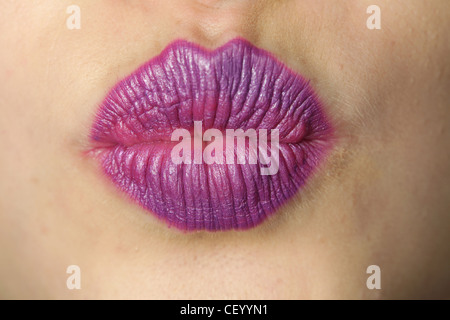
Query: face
x=381, y=195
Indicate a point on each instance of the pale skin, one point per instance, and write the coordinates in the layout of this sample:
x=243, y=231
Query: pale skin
x=382, y=197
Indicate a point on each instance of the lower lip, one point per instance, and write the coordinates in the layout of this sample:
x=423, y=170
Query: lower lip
x=236, y=86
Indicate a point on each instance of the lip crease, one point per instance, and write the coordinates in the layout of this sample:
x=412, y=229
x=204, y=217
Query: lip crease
x=236, y=86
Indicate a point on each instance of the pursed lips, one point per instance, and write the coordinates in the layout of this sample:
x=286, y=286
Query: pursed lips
x=237, y=86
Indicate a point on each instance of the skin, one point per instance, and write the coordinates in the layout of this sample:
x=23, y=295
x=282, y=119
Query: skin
x=382, y=197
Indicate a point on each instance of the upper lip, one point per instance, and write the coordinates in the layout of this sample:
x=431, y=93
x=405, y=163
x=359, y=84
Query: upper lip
x=160, y=96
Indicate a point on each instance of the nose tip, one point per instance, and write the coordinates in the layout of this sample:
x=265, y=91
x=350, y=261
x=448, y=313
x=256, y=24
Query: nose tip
x=211, y=4
x=217, y=4
x=216, y=21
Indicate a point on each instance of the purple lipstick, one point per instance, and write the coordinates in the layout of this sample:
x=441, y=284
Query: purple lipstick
x=199, y=91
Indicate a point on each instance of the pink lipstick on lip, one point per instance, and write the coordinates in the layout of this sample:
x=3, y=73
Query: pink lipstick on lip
x=236, y=86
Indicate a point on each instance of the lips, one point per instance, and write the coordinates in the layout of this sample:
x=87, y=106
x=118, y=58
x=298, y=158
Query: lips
x=236, y=86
